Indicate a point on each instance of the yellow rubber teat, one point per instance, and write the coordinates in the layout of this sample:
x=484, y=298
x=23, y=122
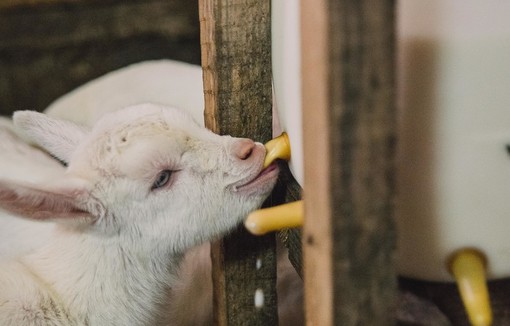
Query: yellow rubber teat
x=275, y=218
x=468, y=266
x=276, y=148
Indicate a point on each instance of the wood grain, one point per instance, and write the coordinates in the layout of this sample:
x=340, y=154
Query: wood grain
x=47, y=50
x=235, y=42
x=349, y=134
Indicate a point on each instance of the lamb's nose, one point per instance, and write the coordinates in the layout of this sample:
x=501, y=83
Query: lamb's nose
x=243, y=148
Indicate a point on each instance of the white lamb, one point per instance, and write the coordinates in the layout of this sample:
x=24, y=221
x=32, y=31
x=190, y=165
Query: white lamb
x=143, y=186
x=176, y=84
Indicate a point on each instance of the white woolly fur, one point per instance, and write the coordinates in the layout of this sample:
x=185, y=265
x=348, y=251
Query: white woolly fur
x=103, y=243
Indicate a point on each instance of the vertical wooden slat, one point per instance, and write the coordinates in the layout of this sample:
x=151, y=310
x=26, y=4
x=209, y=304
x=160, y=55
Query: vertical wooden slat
x=349, y=134
x=236, y=48
x=317, y=235
x=288, y=190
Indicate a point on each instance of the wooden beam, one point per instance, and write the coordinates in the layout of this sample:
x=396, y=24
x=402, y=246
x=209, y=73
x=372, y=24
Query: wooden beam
x=236, y=49
x=10, y=4
x=61, y=24
x=48, y=50
x=349, y=119
x=289, y=190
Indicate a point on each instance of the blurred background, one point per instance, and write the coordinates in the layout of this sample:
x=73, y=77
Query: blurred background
x=49, y=47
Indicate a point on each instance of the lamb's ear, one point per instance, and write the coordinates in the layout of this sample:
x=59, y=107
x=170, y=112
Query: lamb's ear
x=58, y=137
x=68, y=200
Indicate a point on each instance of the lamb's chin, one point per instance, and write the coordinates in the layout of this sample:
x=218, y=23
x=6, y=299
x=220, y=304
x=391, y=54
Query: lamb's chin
x=262, y=184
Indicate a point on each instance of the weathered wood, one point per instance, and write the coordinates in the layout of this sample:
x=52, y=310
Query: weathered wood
x=288, y=190
x=349, y=134
x=21, y=4
x=8, y=4
x=235, y=41
x=47, y=50
x=89, y=21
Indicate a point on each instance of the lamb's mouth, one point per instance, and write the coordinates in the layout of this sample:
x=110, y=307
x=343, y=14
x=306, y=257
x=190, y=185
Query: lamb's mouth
x=262, y=178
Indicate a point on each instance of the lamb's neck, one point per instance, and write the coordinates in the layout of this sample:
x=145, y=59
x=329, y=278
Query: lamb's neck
x=105, y=277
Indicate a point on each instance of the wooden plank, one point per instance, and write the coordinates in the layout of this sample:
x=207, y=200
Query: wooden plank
x=349, y=134
x=16, y=4
x=289, y=190
x=9, y=4
x=46, y=51
x=235, y=41
x=60, y=25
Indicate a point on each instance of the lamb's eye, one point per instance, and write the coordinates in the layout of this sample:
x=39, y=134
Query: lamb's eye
x=162, y=179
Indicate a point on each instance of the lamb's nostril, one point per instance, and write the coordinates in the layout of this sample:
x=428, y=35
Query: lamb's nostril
x=246, y=154
x=244, y=149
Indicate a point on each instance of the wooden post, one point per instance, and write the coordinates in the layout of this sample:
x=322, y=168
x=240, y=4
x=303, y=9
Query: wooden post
x=349, y=135
x=236, y=61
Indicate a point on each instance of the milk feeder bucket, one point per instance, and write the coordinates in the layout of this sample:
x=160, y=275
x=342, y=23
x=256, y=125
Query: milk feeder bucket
x=453, y=209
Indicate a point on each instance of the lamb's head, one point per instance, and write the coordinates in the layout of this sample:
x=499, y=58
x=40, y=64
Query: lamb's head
x=145, y=173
